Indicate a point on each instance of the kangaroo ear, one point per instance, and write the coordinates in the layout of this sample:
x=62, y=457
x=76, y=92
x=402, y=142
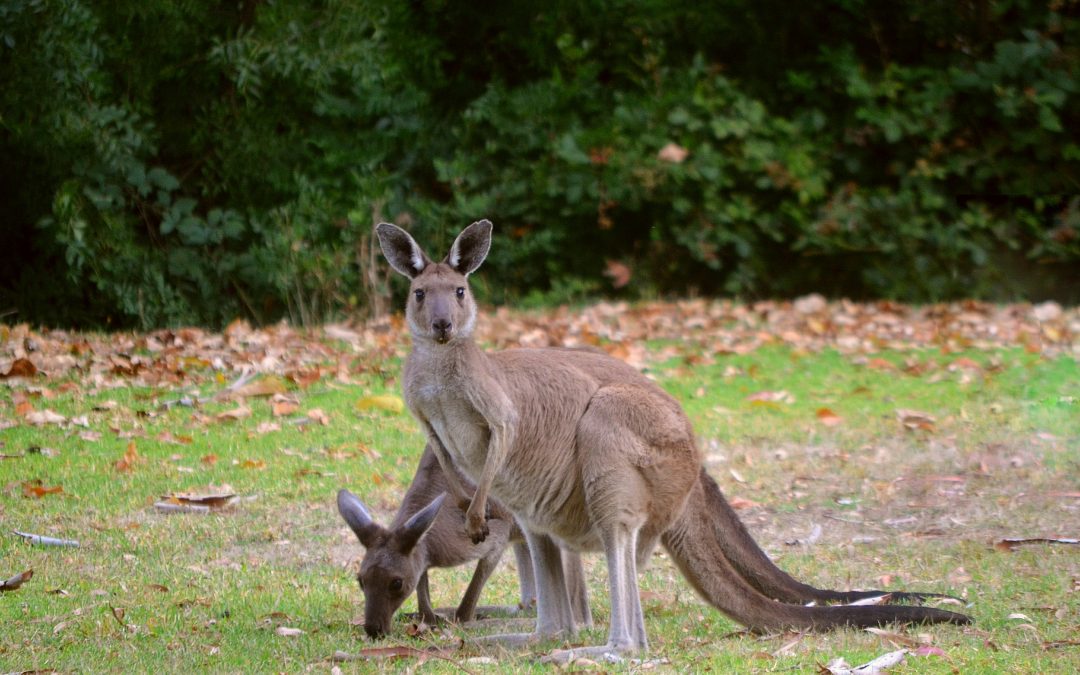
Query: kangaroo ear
x=416, y=527
x=356, y=515
x=401, y=250
x=470, y=248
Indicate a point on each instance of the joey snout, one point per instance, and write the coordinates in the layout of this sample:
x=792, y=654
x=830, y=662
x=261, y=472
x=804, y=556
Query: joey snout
x=376, y=630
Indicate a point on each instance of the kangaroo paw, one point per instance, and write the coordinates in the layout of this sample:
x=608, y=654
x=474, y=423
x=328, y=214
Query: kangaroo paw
x=476, y=527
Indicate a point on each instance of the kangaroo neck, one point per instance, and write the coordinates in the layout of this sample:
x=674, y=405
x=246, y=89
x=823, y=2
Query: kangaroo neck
x=454, y=358
x=450, y=364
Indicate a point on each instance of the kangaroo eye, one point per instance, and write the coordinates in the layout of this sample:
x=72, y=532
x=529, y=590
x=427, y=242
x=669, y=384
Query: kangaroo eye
x=419, y=293
x=461, y=293
x=395, y=586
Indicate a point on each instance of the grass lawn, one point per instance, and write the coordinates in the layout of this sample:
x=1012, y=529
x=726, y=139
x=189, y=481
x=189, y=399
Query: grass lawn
x=853, y=468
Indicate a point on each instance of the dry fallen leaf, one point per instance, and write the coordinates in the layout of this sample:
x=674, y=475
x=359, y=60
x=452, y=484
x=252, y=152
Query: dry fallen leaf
x=964, y=363
x=282, y=404
x=366, y=450
x=18, y=580
x=739, y=503
x=880, y=364
x=36, y=489
x=781, y=396
x=267, y=386
x=20, y=368
x=213, y=497
x=267, y=427
x=168, y=437
x=237, y=413
x=874, y=667
x=304, y=378
x=828, y=417
x=343, y=333
x=387, y=402
x=129, y=460
x=41, y=417
x=915, y=420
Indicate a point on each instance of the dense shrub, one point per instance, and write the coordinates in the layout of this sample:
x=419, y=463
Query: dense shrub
x=169, y=163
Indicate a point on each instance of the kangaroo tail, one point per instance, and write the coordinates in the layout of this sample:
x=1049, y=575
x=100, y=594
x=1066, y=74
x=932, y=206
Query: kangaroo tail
x=696, y=543
x=757, y=568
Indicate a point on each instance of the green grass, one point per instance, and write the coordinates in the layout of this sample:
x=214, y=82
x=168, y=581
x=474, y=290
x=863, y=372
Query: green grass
x=206, y=592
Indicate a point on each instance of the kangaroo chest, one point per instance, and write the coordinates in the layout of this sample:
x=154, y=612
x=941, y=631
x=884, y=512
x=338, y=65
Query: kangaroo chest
x=457, y=423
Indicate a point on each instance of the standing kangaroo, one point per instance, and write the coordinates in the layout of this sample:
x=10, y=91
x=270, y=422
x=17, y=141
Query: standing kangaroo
x=589, y=453
x=426, y=534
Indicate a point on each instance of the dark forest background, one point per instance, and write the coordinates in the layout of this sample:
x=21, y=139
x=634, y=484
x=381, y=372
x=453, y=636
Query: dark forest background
x=190, y=162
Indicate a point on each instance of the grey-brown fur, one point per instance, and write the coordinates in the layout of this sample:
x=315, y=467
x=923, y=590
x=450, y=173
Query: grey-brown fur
x=429, y=532
x=586, y=452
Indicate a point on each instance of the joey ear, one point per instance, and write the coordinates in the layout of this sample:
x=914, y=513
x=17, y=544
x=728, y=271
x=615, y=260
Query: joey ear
x=401, y=250
x=356, y=515
x=416, y=527
x=470, y=248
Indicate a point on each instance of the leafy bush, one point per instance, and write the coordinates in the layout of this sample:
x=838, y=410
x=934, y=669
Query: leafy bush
x=192, y=162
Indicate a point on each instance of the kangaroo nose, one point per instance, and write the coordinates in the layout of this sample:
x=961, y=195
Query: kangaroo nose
x=441, y=325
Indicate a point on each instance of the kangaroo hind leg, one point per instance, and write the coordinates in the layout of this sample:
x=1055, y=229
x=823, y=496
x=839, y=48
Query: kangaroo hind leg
x=633, y=454
x=554, y=616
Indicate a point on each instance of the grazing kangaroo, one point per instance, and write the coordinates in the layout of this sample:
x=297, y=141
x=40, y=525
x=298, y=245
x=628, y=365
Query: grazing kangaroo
x=425, y=534
x=587, y=452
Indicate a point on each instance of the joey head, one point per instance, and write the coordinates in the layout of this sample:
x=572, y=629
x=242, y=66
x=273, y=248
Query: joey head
x=423, y=535
x=395, y=562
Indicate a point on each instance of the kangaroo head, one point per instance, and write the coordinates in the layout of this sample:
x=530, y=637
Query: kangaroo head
x=440, y=306
x=393, y=559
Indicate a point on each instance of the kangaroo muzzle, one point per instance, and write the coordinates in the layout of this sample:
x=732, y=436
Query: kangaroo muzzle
x=376, y=628
x=443, y=330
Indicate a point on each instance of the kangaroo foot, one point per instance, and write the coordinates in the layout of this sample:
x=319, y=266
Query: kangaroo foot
x=520, y=639
x=498, y=611
x=604, y=653
x=510, y=639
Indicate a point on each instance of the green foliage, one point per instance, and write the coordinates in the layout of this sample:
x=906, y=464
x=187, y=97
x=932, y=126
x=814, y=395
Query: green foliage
x=191, y=162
